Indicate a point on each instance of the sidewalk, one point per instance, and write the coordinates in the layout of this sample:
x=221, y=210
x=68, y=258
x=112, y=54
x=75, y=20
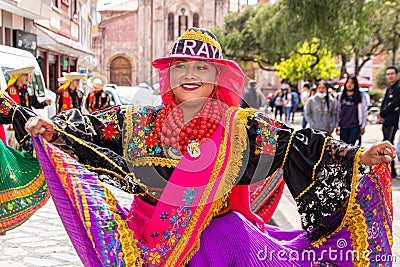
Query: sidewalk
x=286, y=215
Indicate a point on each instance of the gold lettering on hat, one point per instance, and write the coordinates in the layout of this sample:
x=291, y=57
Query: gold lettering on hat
x=187, y=46
x=199, y=36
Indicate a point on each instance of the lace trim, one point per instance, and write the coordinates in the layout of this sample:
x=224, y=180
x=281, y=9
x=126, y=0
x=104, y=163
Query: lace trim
x=354, y=217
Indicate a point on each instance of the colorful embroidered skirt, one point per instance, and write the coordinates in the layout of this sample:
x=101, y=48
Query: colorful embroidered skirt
x=23, y=189
x=99, y=231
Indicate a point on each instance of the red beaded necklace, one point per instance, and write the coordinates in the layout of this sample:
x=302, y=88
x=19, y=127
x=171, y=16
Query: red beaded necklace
x=172, y=131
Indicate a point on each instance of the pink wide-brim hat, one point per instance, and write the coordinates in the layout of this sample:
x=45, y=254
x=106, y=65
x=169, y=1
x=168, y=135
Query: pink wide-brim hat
x=201, y=44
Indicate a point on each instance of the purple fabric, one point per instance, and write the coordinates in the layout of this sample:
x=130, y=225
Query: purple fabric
x=231, y=240
x=68, y=214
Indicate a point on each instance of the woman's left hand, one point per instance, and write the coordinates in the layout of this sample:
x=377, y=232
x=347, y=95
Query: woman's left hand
x=377, y=153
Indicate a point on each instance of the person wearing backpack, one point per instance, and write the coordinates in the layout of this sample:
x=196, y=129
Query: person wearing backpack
x=295, y=104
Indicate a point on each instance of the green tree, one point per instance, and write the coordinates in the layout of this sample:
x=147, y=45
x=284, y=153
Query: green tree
x=355, y=29
x=310, y=62
x=262, y=34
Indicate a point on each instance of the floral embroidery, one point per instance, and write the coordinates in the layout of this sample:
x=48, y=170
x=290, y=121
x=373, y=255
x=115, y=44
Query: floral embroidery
x=5, y=106
x=266, y=134
x=180, y=217
x=144, y=141
x=154, y=257
x=109, y=132
x=164, y=215
x=109, y=129
x=189, y=196
x=154, y=235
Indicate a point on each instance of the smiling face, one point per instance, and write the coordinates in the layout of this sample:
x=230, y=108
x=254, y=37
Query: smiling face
x=192, y=79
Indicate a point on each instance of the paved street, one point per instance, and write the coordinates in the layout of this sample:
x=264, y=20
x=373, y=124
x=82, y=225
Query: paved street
x=42, y=241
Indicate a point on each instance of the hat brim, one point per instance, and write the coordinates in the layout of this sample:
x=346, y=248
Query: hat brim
x=74, y=77
x=100, y=77
x=26, y=70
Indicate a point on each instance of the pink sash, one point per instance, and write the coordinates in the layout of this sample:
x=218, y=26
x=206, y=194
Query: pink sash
x=169, y=233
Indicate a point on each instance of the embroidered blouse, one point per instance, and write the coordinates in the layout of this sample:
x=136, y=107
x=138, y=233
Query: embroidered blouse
x=317, y=169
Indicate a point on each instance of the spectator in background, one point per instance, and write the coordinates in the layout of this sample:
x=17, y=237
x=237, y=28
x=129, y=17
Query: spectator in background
x=278, y=104
x=304, y=96
x=295, y=104
x=68, y=94
x=351, y=108
x=23, y=95
x=390, y=107
x=287, y=101
x=320, y=110
x=252, y=98
x=97, y=98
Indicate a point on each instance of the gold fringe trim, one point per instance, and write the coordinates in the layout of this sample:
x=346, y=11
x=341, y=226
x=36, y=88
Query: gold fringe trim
x=314, y=169
x=157, y=161
x=127, y=239
x=180, y=247
x=128, y=128
x=131, y=251
x=244, y=114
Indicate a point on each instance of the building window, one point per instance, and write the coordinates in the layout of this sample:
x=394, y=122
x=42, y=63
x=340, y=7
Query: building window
x=54, y=3
x=74, y=10
x=170, y=27
x=196, y=20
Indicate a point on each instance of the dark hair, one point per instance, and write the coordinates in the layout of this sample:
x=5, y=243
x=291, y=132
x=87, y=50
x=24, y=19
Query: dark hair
x=357, y=93
x=392, y=68
x=306, y=85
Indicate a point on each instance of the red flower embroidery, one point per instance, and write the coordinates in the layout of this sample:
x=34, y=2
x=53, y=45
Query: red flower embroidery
x=151, y=140
x=109, y=132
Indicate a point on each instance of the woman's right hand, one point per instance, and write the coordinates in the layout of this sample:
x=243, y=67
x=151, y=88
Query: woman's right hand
x=39, y=125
